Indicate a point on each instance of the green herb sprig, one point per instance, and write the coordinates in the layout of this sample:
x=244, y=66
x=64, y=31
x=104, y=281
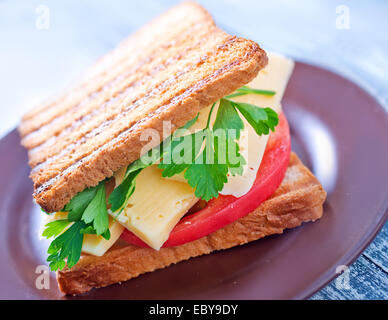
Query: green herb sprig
x=208, y=177
x=87, y=214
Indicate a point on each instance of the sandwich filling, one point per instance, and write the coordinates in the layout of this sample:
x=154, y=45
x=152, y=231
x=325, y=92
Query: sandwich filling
x=190, y=184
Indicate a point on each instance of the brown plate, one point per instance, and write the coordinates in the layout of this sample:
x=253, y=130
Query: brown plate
x=338, y=130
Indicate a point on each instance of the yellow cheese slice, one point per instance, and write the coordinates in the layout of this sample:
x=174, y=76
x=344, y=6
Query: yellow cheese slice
x=273, y=77
x=156, y=206
x=97, y=245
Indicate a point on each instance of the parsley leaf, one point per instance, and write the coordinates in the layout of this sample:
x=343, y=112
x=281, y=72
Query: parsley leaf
x=261, y=119
x=235, y=160
x=227, y=147
x=118, y=199
x=206, y=174
x=54, y=228
x=67, y=245
x=173, y=161
x=228, y=119
x=180, y=153
x=208, y=171
x=207, y=179
x=96, y=212
x=79, y=203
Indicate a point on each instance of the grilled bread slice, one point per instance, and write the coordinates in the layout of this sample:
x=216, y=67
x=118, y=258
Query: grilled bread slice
x=167, y=71
x=298, y=199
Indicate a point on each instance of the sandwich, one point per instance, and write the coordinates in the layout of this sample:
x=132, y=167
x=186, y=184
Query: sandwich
x=172, y=146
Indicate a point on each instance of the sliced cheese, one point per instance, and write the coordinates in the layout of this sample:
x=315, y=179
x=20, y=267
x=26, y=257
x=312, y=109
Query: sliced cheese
x=252, y=148
x=156, y=206
x=97, y=245
x=60, y=215
x=94, y=244
x=273, y=77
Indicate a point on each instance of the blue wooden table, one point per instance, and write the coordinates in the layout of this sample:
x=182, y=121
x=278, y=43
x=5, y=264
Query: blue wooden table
x=44, y=45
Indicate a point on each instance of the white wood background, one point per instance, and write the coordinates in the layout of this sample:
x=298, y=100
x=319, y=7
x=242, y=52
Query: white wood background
x=36, y=61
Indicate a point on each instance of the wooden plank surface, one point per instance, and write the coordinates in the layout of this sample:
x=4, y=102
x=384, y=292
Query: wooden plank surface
x=368, y=276
x=35, y=62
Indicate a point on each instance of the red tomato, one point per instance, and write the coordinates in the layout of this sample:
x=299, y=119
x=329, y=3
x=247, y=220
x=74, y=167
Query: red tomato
x=225, y=209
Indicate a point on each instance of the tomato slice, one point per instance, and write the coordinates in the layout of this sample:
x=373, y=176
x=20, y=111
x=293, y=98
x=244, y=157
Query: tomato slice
x=226, y=208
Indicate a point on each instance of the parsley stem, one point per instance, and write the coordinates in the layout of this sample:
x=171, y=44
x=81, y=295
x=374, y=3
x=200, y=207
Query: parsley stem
x=234, y=95
x=247, y=90
x=210, y=115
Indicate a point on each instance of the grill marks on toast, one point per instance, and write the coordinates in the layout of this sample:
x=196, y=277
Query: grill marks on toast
x=84, y=137
x=109, y=86
x=139, y=49
x=121, y=98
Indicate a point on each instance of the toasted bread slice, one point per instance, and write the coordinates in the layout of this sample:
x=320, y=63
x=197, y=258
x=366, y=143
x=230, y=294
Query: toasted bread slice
x=298, y=199
x=167, y=71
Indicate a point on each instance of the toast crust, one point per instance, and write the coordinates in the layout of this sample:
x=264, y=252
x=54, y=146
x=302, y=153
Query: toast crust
x=168, y=71
x=298, y=199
